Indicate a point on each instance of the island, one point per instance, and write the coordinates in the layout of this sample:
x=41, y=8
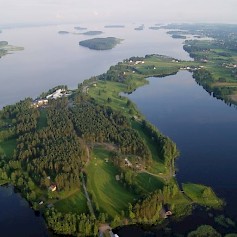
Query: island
x=176, y=36
x=154, y=27
x=5, y=48
x=63, y=32
x=89, y=161
x=114, y=26
x=141, y=27
x=100, y=43
x=80, y=28
x=93, y=32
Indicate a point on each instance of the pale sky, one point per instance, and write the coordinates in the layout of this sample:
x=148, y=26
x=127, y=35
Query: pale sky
x=116, y=11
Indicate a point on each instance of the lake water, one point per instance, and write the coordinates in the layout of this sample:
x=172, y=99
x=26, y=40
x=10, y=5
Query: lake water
x=203, y=128
x=51, y=59
x=17, y=218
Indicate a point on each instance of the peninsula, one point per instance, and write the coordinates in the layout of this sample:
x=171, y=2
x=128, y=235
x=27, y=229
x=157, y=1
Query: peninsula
x=88, y=157
x=5, y=48
x=218, y=53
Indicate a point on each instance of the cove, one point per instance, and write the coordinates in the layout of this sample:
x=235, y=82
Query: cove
x=17, y=218
x=203, y=128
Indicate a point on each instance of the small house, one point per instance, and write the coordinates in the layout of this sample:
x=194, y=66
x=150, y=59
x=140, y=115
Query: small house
x=53, y=187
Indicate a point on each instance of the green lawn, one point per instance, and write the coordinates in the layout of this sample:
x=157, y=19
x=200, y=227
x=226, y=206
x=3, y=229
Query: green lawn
x=109, y=195
x=148, y=183
x=202, y=195
x=75, y=203
x=7, y=147
x=42, y=122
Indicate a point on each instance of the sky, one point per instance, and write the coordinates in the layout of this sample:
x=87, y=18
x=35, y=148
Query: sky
x=116, y=11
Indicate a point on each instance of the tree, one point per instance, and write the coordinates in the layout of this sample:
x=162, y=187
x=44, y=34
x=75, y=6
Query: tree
x=204, y=231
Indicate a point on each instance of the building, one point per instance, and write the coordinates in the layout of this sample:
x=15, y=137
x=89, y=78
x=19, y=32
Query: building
x=39, y=103
x=53, y=187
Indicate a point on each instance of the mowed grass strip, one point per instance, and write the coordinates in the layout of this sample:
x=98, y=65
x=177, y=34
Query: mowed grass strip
x=109, y=195
x=148, y=183
x=7, y=147
x=76, y=203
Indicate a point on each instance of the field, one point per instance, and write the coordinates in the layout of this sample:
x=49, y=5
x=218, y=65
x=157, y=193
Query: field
x=148, y=183
x=108, y=194
x=76, y=203
x=202, y=195
x=7, y=147
x=42, y=120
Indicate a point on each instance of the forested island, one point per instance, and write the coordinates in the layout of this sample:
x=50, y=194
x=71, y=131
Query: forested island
x=114, y=26
x=80, y=28
x=141, y=27
x=93, y=32
x=87, y=157
x=63, y=32
x=5, y=48
x=177, y=36
x=100, y=43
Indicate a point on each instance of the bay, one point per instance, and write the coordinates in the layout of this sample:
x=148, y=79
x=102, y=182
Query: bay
x=50, y=59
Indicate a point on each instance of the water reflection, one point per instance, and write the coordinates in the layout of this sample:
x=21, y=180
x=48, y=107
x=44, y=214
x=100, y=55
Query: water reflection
x=17, y=218
x=203, y=127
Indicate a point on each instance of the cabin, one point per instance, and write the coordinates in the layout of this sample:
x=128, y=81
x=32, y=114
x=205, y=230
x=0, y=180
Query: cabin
x=127, y=162
x=39, y=103
x=166, y=212
x=53, y=187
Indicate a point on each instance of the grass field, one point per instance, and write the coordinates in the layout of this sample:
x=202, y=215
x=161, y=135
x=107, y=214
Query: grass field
x=148, y=183
x=76, y=203
x=42, y=122
x=202, y=195
x=109, y=195
x=7, y=147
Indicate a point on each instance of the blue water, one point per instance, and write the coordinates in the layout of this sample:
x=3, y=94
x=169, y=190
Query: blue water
x=17, y=218
x=203, y=128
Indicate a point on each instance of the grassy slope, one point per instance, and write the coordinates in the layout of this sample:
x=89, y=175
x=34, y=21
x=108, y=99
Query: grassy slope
x=108, y=194
x=148, y=183
x=75, y=203
x=8, y=146
x=202, y=195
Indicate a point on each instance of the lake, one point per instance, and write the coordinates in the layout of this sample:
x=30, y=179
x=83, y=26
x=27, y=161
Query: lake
x=203, y=128
x=50, y=59
x=16, y=216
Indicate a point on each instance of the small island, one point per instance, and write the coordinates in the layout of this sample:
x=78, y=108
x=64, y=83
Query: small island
x=154, y=28
x=93, y=32
x=141, y=27
x=5, y=48
x=100, y=43
x=114, y=26
x=80, y=28
x=63, y=32
x=176, y=36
